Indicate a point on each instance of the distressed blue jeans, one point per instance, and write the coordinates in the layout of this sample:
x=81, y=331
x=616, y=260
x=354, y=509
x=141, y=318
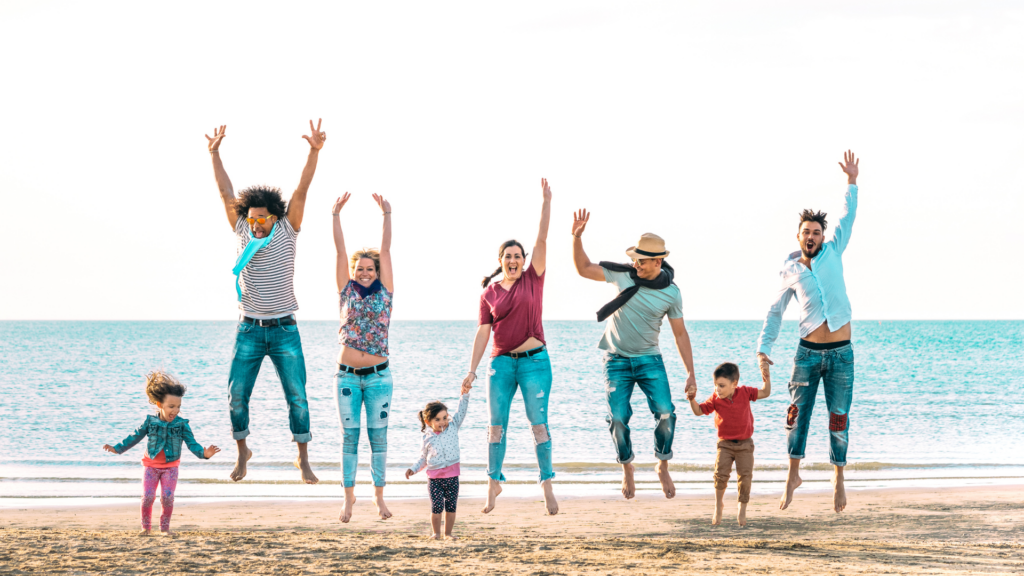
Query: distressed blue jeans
x=351, y=393
x=834, y=368
x=533, y=375
x=621, y=374
x=283, y=345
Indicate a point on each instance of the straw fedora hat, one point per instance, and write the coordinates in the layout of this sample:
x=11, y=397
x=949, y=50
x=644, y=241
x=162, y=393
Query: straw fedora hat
x=649, y=246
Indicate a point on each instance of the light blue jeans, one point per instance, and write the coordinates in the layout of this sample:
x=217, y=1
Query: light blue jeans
x=351, y=392
x=533, y=375
x=621, y=374
x=834, y=368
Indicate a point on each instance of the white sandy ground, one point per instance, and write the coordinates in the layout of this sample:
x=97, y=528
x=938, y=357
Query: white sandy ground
x=952, y=531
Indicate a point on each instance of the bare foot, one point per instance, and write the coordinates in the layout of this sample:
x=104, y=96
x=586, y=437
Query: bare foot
x=667, y=486
x=346, y=510
x=741, y=514
x=382, y=509
x=839, y=497
x=549, y=497
x=493, y=489
x=168, y=533
x=717, y=518
x=145, y=532
x=307, y=473
x=628, y=487
x=450, y=537
x=793, y=482
x=240, y=471
x=435, y=536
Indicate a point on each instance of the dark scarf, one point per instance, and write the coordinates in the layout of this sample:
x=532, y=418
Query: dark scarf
x=664, y=280
x=366, y=291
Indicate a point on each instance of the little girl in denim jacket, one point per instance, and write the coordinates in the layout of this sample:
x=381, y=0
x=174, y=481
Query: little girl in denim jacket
x=166, y=431
x=440, y=456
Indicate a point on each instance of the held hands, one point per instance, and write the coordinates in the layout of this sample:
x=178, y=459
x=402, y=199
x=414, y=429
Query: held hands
x=579, y=222
x=316, y=138
x=209, y=451
x=762, y=358
x=851, y=166
x=467, y=385
x=408, y=473
x=691, y=394
x=109, y=448
x=545, y=189
x=218, y=135
x=340, y=203
x=691, y=386
x=385, y=206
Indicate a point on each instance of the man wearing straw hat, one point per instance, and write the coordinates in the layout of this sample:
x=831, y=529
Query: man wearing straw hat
x=630, y=343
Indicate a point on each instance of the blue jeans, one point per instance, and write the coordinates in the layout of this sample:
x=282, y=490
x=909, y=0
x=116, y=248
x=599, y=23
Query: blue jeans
x=621, y=373
x=351, y=392
x=533, y=375
x=835, y=368
x=283, y=345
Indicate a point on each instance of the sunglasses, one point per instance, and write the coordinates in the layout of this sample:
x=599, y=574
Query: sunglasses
x=261, y=219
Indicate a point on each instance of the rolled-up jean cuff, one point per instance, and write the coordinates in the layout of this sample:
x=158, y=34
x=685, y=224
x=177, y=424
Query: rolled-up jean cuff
x=796, y=457
x=663, y=456
x=542, y=478
x=626, y=461
x=240, y=435
x=500, y=478
x=351, y=484
x=840, y=464
x=302, y=438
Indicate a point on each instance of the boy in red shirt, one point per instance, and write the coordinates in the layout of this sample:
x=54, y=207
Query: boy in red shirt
x=731, y=404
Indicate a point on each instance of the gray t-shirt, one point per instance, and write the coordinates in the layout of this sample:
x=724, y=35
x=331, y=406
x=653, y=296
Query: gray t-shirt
x=633, y=329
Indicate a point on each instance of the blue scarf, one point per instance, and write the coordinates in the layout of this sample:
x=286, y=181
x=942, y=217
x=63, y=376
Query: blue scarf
x=250, y=250
x=365, y=291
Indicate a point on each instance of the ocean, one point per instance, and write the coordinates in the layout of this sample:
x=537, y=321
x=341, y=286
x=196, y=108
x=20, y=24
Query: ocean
x=936, y=404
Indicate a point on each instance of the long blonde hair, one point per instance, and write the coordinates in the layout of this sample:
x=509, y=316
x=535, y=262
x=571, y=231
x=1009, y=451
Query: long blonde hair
x=371, y=253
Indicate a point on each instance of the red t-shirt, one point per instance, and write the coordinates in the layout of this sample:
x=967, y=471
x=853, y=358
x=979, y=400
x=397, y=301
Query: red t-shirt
x=514, y=315
x=733, y=417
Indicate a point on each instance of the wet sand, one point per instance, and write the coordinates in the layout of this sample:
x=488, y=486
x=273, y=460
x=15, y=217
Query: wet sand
x=952, y=531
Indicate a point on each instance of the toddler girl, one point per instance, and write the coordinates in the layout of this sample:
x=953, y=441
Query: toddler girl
x=440, y=456
x=166, y=432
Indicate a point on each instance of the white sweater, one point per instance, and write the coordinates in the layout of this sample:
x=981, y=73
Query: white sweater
x=442, y=450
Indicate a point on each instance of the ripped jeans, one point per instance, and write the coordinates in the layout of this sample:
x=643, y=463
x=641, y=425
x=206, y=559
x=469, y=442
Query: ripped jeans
x=835, y=368
x=351, y=392
x=533, y=375
x=621, y=374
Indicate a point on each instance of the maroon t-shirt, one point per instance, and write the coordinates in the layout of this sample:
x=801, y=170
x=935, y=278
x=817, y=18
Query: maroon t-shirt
x=733, y=417
x=514, y=315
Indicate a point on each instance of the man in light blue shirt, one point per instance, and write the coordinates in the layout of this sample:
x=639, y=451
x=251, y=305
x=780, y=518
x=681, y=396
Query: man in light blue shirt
x=814, y=275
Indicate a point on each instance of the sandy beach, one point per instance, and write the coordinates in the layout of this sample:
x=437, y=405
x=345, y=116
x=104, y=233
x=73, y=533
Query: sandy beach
x=959, y=531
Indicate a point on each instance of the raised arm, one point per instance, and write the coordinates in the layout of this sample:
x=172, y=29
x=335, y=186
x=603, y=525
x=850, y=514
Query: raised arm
x=341, y=268
x=540, y=249
x=766, y=377
x=483, y=334
x=227, y=192
x=385, y=275
x=841, y=237
x=685, y=351
x=297, y=205
x=584, y=267
x=460, y=414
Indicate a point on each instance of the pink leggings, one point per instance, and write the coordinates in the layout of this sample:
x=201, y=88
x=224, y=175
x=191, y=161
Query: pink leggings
x=168, y=480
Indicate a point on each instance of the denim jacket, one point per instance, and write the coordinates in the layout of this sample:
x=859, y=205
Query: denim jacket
x=166, y=436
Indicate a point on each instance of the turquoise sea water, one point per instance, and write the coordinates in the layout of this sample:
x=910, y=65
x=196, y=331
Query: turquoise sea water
x=935, y=404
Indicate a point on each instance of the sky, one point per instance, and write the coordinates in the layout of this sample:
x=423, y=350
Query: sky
x=709, y=124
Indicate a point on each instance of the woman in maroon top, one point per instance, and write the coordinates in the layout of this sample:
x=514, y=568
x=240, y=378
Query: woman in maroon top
x=519, y=358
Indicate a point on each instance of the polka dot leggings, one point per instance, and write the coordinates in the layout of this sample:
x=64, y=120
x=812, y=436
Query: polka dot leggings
x=444, y=494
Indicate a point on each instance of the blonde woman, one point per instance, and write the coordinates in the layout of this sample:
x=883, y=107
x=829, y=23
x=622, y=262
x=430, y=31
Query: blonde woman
x=365, y=287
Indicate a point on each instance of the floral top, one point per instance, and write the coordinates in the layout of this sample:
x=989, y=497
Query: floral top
x=365, y=317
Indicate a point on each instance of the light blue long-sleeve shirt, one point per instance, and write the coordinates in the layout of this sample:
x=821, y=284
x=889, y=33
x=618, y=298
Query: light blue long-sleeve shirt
x=820, y=291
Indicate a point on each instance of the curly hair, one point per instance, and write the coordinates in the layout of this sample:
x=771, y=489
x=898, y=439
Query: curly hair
x=371, y=253
x=809, y=215
x=501, y=254
x=260, y=197
x=430, y=412
x=160, y=385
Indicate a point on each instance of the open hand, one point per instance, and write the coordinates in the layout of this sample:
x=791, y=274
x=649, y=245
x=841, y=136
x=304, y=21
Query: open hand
x=316, y=138
x=408, y=473
x=385, y=206
x=218, y=135
x=579, y=222
x=851, y=166
x=545, y=189
x=209, y=451
x=109, y=448
x=340, y=203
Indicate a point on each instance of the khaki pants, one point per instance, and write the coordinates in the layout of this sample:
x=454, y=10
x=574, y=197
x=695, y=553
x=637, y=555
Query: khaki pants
x=742, y=453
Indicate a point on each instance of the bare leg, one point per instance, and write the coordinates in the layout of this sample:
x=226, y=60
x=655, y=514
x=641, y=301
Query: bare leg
x=549, y=497
x=302, y=463
x=839, y=498
x=628, y=487
x=350, y=500
x=719, y=506
x=741, y=514
x=244, y=454
x=435, y=526
x=378, y=501
x=666, y=481
x=793, y=482
x=449, y=523
x=493, y=489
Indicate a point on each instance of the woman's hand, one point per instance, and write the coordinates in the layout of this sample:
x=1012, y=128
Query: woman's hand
x=218, y=135
x=385, y=206
x=408, y=473
x=109, y=448
x=467, y=382
x=209, y=451
x=340, y=203
x=545, y=189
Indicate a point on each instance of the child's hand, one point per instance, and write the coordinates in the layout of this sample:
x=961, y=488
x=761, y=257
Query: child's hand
x=109, y=448
x=691, y=394
x=209, y=451
x=408, y=473
x=466, y=386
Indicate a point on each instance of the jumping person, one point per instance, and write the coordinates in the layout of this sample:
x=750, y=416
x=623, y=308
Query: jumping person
x=519, y=357
x=266, y=230
x=630, y=343
x=814, y=274
x=365, y=291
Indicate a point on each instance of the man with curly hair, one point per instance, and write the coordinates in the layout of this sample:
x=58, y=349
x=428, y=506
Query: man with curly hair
x=266, y=229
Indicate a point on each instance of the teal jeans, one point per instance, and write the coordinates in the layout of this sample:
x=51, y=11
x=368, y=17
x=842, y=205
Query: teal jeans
x=351, y=393
x=533, y=375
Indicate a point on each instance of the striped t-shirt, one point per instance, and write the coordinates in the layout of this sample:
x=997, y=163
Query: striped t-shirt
x=266, y=282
